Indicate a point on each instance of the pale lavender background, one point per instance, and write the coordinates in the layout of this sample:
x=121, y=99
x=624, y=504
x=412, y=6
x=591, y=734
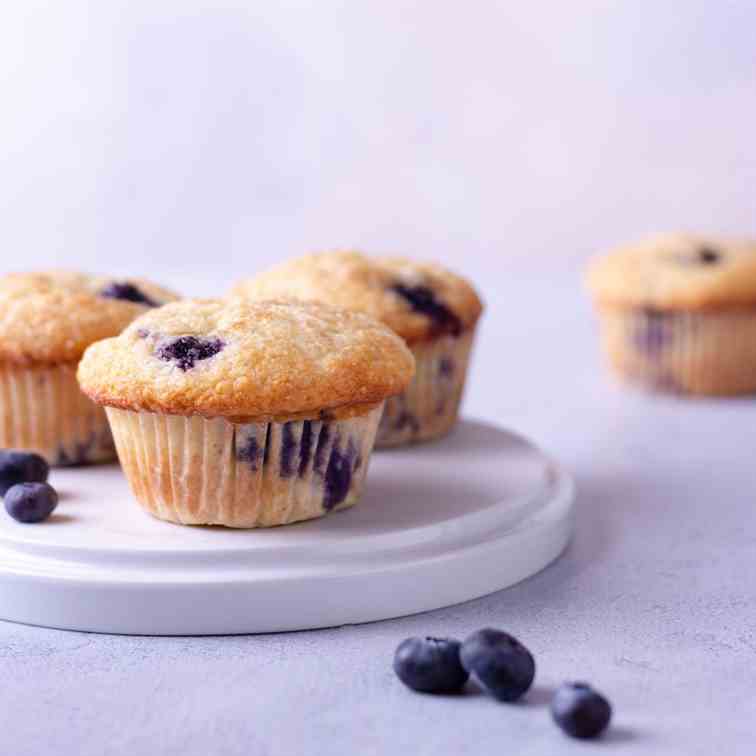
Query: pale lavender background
x=196, y=143
x=197, y=140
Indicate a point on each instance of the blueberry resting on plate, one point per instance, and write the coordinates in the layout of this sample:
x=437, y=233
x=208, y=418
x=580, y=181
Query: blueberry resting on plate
x=499, y=663
x=580, y=711
x=31, y=502
x=127, y=291
x=430, y=665
x=21, y=467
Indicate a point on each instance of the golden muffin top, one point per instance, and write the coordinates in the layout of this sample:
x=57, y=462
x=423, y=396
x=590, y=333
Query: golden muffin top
x=52, y=317
x=417, y=300
x=247, y=360
x=677, y=272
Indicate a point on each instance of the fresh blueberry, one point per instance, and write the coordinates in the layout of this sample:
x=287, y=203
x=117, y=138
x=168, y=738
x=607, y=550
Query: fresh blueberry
x=21, y=467
x=185, y=351
x=127, y=291
x=31, y=502
x=422, y=299
x=430, y=665
x=499, y=663
x=580, y=711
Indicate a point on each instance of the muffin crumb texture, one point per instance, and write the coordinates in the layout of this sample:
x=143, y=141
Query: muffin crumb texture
x=249, y=361
x=52, y=317
x=677, y=272
x=419, y=301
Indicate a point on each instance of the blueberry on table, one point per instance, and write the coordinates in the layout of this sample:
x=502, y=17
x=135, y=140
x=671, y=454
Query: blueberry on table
x=430, y=665
x=499, y=663
x=580, y=711
x=31, y=502
x=21, y=467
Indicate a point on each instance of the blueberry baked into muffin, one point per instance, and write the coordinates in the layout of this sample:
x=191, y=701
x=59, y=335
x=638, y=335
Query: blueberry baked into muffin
x=46, y=322
x=678, y=313
x=432, y=309
x=246, y=414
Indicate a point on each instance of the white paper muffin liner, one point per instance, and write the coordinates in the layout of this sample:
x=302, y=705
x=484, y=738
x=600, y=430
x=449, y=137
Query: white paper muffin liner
x=43, y=410
x=708, y=353
x=429, y=407
x=199, y=471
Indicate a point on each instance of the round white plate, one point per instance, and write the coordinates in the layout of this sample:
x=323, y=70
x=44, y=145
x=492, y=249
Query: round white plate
x=438, y=524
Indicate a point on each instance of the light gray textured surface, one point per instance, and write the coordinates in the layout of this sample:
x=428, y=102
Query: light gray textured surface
x=654, y=601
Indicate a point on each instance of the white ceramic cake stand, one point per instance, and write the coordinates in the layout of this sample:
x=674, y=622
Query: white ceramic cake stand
x=438, y=524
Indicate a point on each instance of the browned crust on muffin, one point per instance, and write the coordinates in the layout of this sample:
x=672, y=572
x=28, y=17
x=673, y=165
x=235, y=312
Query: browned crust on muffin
x=279, y=359
x=49, y=318
x=662, y=272
x=358, y=282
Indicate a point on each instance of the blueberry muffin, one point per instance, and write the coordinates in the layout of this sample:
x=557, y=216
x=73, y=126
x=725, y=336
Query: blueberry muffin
x=246, y=414
x=47, y=320
x=432, y=309
x=678, y=313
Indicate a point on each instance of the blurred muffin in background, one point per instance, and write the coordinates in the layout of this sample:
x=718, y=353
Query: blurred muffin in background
x=47, y=320
x=678, y=313
x=432, y=309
